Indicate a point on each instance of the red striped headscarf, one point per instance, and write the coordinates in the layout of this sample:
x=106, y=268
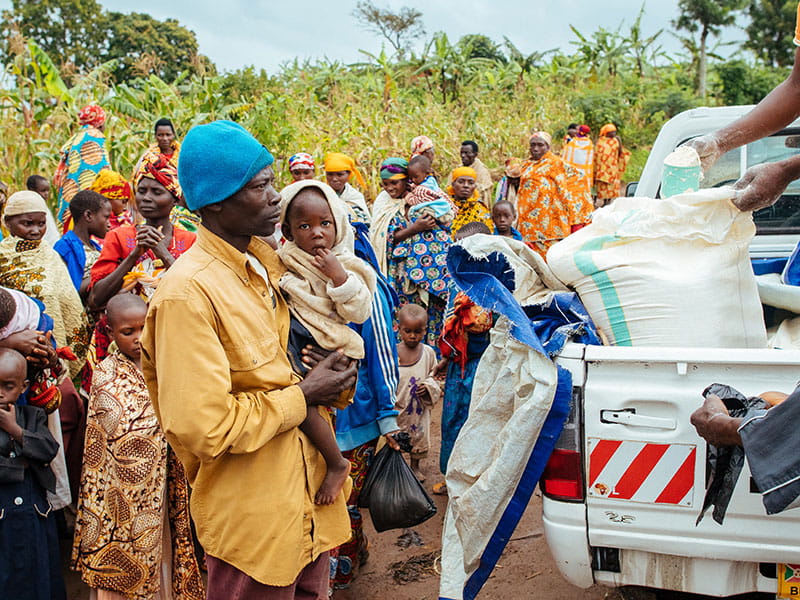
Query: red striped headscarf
x=166, y=174
x=93, y=115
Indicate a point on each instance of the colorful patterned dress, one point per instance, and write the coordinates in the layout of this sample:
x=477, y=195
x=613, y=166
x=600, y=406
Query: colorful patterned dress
x=82, y=158
x=417, y=270
x=133, y=511
x=610, y=162
x=551, y=200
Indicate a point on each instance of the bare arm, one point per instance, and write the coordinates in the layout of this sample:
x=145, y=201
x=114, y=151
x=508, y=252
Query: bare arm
x=424, y=223
x=715, y=425
x=773, y=113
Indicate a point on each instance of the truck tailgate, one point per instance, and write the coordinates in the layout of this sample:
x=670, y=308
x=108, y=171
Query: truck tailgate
x=646, y=467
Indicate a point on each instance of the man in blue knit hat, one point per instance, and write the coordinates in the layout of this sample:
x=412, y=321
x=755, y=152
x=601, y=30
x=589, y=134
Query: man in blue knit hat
x=214, y=357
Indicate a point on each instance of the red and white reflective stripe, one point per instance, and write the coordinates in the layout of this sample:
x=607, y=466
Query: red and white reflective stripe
x=641, y=472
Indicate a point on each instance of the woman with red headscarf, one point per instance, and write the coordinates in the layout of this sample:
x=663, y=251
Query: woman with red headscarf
x=134, y=256
x=82, y=158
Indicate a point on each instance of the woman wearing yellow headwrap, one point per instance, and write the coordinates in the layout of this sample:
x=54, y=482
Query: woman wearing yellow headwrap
x=339, y=169
x=116, y=188
x=552, y=200
x=610, y=162
x=464, y=192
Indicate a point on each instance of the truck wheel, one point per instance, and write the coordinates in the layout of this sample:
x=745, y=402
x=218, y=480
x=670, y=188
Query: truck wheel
x=637, y=593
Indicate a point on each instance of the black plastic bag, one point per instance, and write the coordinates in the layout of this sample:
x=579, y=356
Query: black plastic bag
x=394, y=496
x=725, y=463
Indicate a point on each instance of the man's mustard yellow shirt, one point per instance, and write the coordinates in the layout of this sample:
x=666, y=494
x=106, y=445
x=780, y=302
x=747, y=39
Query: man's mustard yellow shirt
x=214, y=357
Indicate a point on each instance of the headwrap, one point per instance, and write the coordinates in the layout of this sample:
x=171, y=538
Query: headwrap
x=24, y=202
x=217, y=160
x=394, y=168
x=420, y=144
x=93, y=115
x=165, y=174
x=584, y=130
x=463, y=172
x=513, y=167
x=301, y=159
x=543, y=135
x=607, y=128
x=112, y=185
x=336, y=161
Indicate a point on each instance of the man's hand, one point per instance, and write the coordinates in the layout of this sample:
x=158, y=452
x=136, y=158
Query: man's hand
x=326, y=261
x=708, y=148
x=762, y=185
x=324, y=382
x=8, y=422
x=715, y=425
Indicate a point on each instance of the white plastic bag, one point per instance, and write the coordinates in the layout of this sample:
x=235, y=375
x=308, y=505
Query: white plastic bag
x=668, y=272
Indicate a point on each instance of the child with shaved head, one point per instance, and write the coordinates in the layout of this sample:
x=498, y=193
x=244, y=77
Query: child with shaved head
x=417, y=390
x=124, y=484
x=28, y=537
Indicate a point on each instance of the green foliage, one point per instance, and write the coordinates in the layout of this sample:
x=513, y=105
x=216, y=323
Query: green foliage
x=144, y=45
x=771, y=31
x=704, y=17
x=78, y=36
x=69, y=31
x=740, y=83
x=371, y=109
x=476, y=45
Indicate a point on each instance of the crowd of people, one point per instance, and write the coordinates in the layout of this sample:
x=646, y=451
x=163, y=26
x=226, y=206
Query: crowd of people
x=312, y=310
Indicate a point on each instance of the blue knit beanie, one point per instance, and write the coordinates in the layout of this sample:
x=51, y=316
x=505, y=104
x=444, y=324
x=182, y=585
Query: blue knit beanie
x=217, y=160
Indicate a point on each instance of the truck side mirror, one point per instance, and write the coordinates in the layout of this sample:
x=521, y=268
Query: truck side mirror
x=630, y=189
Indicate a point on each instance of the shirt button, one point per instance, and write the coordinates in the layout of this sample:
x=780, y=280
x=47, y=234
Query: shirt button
x=18, y=501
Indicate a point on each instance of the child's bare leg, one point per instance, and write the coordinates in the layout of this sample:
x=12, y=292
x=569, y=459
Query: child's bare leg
x=415, y=468
x=338, y=467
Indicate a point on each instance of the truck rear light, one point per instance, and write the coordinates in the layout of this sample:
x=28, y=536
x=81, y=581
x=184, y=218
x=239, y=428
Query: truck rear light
x=563, y=476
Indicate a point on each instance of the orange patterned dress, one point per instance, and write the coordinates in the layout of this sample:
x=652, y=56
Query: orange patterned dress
x=610, y=162
x=133, y=502
x=551, y=200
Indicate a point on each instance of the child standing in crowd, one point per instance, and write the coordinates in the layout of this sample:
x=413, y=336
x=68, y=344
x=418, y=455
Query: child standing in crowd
x=417, y=390
x=132, y=531
x=32, y=568
x=503, y=216
x=40, y=185
x=90, y=213
x=326, y=287
x=465, y=337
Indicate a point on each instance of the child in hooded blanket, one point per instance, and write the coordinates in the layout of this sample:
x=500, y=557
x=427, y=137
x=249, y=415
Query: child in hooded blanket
x=326, y=287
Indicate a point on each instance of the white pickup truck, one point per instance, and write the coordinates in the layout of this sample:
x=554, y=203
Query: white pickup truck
x=626, y=483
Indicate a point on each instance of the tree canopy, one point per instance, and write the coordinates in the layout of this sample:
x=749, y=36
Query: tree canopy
x=706, y=17
x=771, y=31
x=398, y=28
x=78, y=36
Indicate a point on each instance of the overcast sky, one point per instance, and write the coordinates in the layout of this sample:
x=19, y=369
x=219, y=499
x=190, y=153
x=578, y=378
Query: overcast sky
x=265, y=33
